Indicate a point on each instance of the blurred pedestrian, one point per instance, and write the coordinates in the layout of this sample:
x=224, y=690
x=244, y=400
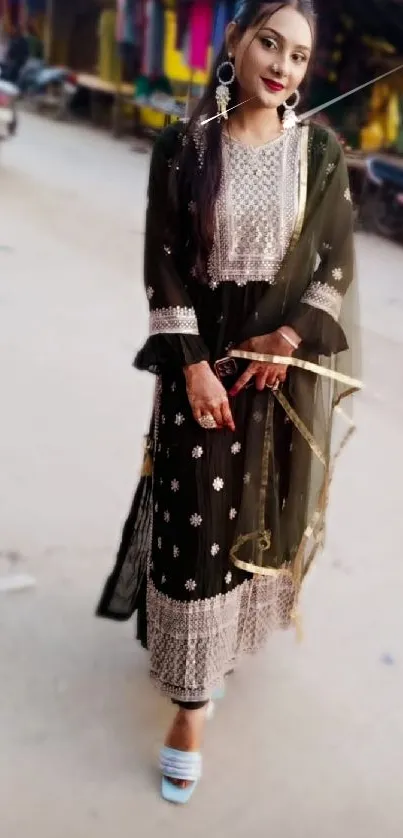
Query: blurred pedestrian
x=16, y=54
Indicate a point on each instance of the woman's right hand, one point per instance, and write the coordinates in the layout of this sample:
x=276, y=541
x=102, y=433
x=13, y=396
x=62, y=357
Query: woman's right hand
x=207, y=395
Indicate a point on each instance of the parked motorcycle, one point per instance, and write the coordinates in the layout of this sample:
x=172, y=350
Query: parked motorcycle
x=8, y=109
x=44, y=87
x=382, y=198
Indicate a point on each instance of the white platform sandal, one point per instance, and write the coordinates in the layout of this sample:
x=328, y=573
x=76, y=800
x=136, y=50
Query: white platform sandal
x=179, y=765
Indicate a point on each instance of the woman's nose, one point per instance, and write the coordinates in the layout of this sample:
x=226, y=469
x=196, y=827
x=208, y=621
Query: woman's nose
x=278, y=68
x=282, y=67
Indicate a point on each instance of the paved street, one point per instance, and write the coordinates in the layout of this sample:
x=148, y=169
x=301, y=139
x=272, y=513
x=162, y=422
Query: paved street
x=310, y=738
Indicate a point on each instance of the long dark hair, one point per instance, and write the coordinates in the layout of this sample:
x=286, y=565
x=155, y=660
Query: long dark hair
x=202, y=186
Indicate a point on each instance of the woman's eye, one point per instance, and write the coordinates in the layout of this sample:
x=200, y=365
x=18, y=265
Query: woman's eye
x=270, y=43
x=299, y=58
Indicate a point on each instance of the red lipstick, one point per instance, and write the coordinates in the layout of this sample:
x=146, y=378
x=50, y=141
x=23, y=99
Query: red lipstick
x=273, y=86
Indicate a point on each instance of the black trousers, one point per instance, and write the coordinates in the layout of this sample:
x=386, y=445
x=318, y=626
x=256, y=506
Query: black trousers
x=189, y=705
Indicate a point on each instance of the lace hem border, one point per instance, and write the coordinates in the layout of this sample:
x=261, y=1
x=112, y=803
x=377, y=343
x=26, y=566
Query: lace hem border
x=194, y=643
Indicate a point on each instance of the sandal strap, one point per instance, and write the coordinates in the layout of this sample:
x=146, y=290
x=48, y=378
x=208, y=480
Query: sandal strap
x=181, y=765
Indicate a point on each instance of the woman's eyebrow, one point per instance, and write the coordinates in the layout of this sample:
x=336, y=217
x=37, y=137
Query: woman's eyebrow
x=268, y=30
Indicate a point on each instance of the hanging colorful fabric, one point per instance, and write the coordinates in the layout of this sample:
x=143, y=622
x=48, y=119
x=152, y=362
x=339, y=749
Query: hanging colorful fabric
x=201, y=27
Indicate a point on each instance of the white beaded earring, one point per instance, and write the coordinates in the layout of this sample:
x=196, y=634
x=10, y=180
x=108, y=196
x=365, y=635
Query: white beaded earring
x=222, y=94
x=290, y=117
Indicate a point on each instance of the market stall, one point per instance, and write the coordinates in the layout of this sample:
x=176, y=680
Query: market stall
x=359, y=42
x=152, y=54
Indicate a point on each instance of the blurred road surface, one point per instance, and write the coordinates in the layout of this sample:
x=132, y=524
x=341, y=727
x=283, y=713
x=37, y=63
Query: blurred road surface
x=310, y=738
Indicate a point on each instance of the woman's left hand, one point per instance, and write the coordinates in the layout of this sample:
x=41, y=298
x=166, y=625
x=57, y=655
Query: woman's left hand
x=266, y=374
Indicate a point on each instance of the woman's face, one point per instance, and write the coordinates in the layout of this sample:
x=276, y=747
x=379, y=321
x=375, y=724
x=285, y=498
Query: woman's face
x=271, y=59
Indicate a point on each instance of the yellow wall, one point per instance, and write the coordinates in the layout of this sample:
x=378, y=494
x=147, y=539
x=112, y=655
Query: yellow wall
x=175, y=69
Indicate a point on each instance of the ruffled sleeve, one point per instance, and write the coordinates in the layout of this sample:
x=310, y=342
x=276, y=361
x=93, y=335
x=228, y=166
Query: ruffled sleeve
x=316, y=317
x=174, y=340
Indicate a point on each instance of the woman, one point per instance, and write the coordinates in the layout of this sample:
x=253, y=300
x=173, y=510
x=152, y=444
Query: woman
x=248, y=272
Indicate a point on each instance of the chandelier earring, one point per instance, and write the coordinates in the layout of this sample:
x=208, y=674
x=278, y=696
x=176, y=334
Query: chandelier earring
x=290, y=118
x=225, y=76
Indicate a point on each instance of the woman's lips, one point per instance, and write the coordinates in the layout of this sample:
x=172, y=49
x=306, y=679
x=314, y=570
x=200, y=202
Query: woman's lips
x=274, y=86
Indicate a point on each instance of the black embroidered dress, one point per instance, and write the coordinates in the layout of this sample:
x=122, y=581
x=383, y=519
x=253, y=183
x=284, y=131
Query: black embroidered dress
x=198, y=609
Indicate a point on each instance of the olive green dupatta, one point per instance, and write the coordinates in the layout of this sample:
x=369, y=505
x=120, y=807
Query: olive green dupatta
x=291, y=452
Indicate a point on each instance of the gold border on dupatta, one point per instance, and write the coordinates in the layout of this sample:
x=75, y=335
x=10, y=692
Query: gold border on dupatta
x=303, y=186
x=309, y=366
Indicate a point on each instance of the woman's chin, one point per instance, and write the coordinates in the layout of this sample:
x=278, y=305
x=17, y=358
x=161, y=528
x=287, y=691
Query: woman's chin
x=268, y=99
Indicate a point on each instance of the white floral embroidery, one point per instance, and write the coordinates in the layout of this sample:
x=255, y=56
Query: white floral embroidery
x=215, y=549
x=163, y=419
x=247, y=478
x=228, y=578
x=347, y=195
x=173, y=387
x=196, y=520
x=326, y=246
x=167, y=250
x=163, y=580
x=150, y=292
x=179, y=419
x=159, y=542
x=176, y=551
x=337, y=274
x=236, y=447
x=197, y=452
x=161, y=481
x=167, y=517
x=156, y=507
x=232, y=513
x=258, y=416
x=331, y=167
x=190, y=585
x=218, y=484
x=175, y=485
x=213, y=284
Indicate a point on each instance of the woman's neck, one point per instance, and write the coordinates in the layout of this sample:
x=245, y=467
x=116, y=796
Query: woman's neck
x=255, y=125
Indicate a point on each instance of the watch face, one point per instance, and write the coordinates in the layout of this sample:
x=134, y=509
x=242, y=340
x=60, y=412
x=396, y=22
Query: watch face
x=228, y=370
x=225, y=367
